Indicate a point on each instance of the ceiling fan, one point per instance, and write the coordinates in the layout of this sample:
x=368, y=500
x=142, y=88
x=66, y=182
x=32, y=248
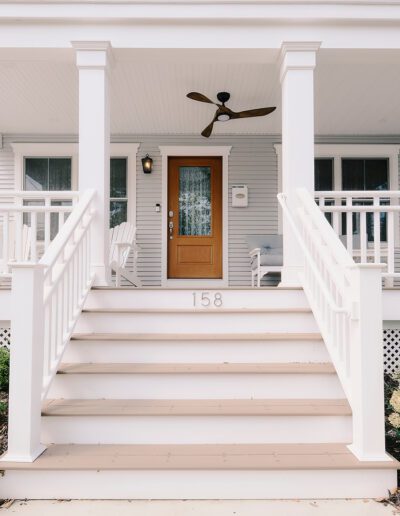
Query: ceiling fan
x=223, y=113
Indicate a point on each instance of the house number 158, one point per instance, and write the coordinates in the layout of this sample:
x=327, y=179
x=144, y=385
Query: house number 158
x=206, y=299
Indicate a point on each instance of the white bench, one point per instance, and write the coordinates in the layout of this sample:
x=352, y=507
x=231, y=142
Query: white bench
x=266, y=255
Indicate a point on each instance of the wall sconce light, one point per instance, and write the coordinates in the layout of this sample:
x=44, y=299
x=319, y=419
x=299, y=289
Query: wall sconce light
x=147, y=164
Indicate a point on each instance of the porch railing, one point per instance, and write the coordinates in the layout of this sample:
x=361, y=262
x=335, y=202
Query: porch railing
x=47, y=298
x=346, y=299
x=29, y=221
x=368, y=225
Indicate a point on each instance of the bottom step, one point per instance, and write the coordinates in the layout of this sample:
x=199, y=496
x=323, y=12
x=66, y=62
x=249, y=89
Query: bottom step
x=198, y=472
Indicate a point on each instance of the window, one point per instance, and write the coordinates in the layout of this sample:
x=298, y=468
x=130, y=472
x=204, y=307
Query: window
x=47, y=174
x=323, y=174
x=366, y=174
x=118, y=191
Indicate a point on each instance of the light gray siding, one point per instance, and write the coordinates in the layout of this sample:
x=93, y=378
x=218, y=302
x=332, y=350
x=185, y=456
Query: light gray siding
x=252, y=161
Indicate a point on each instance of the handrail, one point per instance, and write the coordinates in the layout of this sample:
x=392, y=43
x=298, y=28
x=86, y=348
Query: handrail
x=309, y=257
x=48, y=297
x=40, y=194
x=346, y=300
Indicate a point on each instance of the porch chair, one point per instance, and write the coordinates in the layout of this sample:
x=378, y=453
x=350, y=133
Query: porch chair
x=122, y=242
x=266, y=253
x=26, y=242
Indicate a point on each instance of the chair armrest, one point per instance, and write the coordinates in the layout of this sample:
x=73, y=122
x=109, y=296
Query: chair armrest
x=122, y=245
x=254, y=252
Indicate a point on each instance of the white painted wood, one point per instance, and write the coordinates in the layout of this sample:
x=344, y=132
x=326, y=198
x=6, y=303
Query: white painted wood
x=184, y=298
x=346, y=299
x=192, y=484
x=93, y=61
x=195, y=429
x=190, y=386
x=197, y=351
x=26, y=364
x=195, y=150
x=297, y=63
x=201, y=321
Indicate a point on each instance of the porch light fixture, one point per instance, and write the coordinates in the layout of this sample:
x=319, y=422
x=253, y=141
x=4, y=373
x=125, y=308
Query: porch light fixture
x=147, y=164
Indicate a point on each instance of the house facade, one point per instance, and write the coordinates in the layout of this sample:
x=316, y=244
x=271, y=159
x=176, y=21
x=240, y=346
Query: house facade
x=146, y=364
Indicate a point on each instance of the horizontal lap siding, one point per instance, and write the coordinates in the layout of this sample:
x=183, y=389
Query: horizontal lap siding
x=252, y=162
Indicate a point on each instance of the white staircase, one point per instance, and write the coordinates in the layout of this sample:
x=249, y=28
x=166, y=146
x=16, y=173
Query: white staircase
x=158, y=396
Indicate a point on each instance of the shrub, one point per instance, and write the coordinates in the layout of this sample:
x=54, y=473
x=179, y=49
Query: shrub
x=4, y=368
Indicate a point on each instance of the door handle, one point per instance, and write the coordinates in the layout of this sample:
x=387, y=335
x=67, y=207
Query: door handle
x=171, y=229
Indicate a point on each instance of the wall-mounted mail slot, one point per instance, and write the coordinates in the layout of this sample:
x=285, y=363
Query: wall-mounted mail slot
x=240, y=196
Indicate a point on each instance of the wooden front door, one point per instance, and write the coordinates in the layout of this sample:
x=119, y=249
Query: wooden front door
x=195, y=217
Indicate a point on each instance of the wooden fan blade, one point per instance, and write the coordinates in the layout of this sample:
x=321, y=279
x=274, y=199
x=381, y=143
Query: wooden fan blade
x=254, y=112
x=208, y=130
x=200, y=97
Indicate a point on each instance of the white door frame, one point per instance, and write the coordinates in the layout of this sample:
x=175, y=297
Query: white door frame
x=194, y=150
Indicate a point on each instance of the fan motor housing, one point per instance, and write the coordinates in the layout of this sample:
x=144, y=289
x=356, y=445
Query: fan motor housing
x=223, y=96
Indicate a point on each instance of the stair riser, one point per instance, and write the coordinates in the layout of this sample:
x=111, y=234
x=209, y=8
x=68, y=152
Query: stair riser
x=196, y=322
x=195, y=429
x=198, y=386
x=204, y=484
x=183, y=298
x=196, y=351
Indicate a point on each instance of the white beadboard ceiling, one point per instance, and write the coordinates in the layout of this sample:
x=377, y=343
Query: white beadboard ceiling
x=357, y=92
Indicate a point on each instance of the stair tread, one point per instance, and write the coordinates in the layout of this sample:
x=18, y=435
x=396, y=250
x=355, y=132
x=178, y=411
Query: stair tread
x=198, y=336
x=222, y=407
x=198, y=457
x=154, y=310
x=197, y=368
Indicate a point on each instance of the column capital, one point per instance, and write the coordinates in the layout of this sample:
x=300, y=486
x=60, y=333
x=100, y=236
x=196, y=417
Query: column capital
x=297, y=55
x=93, y=54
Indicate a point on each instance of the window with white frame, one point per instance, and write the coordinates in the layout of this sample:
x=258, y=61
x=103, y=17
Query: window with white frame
x=118, y=191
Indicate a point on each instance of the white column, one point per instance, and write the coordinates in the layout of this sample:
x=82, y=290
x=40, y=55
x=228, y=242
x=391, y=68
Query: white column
x=93, y=62
x=26, y=364
x=297, y=81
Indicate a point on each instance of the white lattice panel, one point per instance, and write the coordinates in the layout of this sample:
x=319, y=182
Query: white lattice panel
x=5, y=338
x=391, y=350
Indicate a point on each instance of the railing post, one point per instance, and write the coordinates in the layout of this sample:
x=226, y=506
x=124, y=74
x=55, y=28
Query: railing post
x=26, y=363
x=366, y=364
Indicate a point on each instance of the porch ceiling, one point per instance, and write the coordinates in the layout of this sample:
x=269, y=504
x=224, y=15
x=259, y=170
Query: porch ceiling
x=357, y=92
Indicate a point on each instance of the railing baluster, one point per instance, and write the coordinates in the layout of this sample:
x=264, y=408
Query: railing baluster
x=363, y=236
x=47, y=203
x=349, y=226
x=377, y=231
x=33, y=237
x=391, y=242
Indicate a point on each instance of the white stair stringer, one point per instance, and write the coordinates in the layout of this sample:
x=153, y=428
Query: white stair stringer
x=158, y=398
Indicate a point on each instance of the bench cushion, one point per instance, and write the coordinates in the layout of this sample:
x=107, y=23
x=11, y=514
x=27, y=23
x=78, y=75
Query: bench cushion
x=270, y=246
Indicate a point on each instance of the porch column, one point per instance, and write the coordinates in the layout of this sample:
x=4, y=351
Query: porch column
x=93, y=62
x=297, y=81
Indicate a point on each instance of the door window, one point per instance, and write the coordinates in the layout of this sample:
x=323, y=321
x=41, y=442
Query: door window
x=195, y=201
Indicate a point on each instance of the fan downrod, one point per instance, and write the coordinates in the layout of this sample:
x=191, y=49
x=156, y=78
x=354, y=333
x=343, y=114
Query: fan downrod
x=223, y=96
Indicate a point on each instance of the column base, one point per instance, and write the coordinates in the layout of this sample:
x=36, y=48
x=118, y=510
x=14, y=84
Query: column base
x=102, y=276
x=290, y=276
x=29, y=457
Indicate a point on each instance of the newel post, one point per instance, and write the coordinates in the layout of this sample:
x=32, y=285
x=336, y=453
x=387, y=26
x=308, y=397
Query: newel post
x=366, y=365
x=26, y=363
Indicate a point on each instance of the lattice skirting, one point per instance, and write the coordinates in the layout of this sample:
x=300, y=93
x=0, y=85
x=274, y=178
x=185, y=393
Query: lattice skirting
x=5, y=338
x=391, y=350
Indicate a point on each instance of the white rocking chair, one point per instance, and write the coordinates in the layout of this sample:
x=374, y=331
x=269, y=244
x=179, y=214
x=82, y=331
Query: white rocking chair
x=9, y=254
x=122, y=242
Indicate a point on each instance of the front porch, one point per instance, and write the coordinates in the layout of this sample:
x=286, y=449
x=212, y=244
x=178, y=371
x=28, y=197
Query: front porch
x=160, y=356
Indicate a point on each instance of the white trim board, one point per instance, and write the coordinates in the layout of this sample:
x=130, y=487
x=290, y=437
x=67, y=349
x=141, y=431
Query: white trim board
x=122, y=150
x=347, y=150
x=194, y=150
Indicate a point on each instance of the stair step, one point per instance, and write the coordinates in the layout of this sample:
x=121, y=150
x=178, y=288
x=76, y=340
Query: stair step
x=155, y=310
x=227, y=407
x=199, y=457
x=126, y=368
x=282, y=336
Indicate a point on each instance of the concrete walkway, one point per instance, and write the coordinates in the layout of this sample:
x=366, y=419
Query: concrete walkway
x=200, y=508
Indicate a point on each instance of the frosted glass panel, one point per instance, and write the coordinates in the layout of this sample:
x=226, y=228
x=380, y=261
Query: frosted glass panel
x=194, y=201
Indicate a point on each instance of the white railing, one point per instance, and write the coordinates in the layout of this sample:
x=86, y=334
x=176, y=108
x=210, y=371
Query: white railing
x=47, y=298
x=346, y=300
x=367, y=223
x=29, y=221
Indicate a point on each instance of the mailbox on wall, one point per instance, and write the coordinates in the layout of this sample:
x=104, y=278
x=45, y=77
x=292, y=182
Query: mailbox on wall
x=240, y=196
